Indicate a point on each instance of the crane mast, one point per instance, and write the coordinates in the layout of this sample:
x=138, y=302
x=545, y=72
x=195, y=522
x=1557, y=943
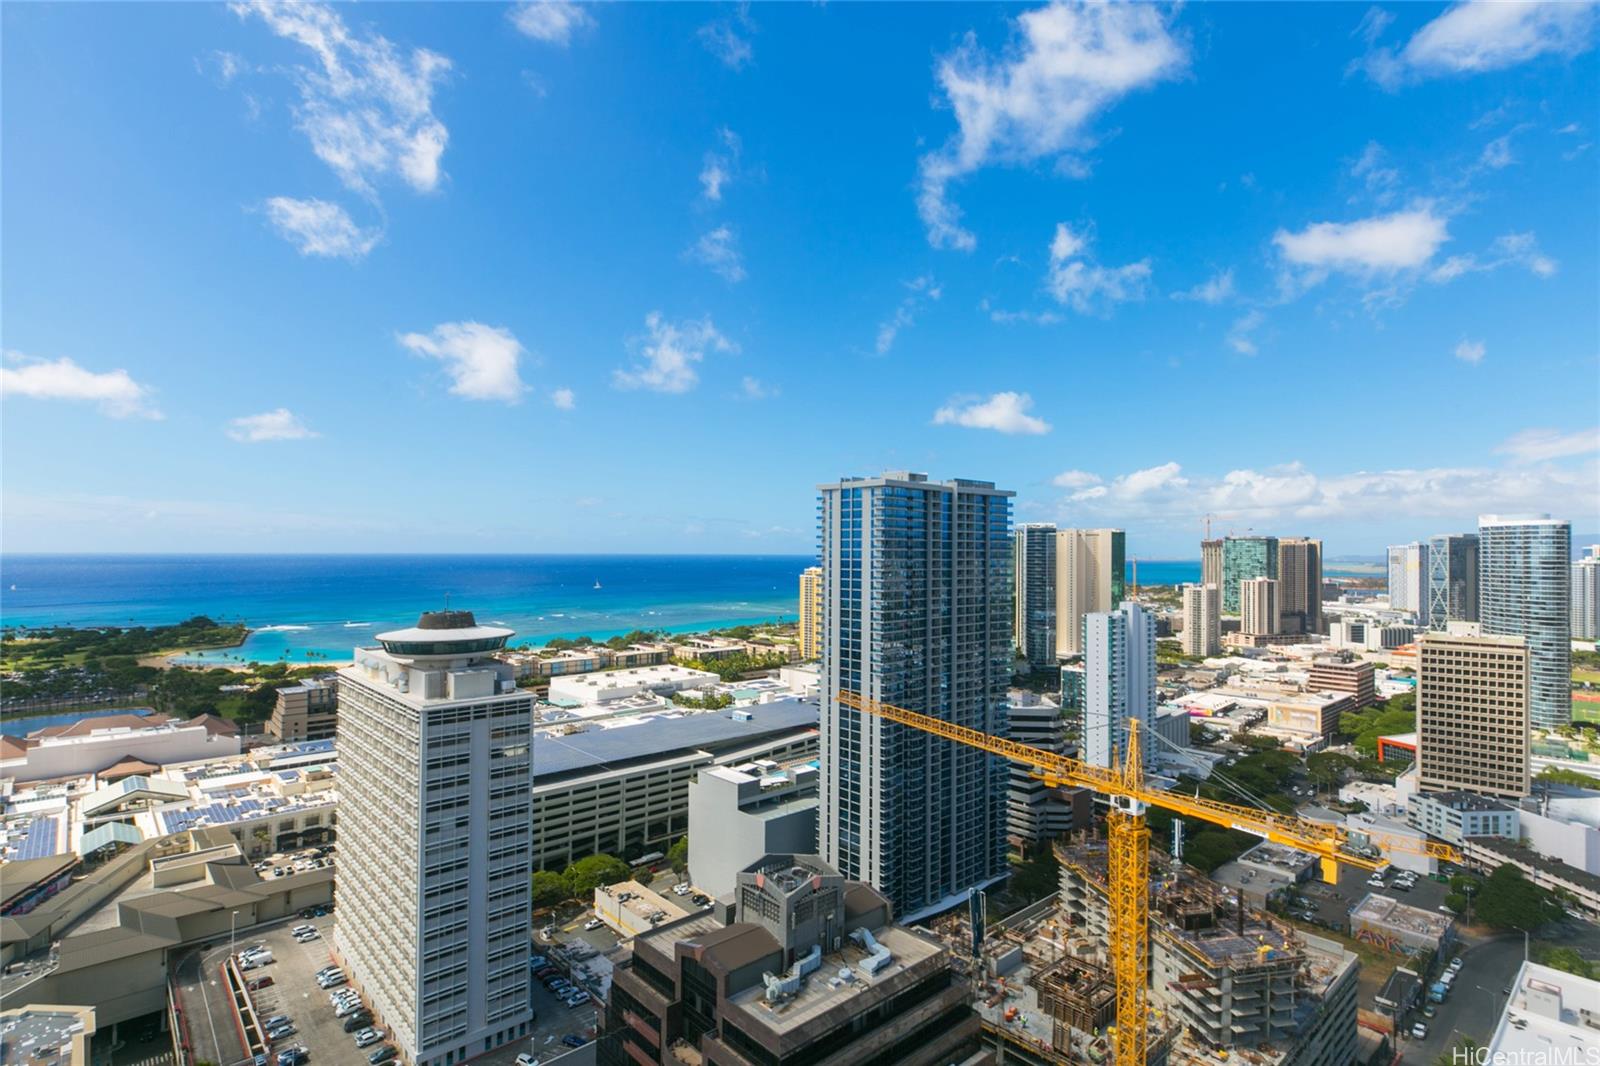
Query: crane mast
x=1128, y=836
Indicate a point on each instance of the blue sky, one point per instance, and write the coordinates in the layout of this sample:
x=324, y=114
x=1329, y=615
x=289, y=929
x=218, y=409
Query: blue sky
x=638, y=277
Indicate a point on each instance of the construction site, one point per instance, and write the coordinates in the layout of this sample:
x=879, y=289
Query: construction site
x=1227, y=982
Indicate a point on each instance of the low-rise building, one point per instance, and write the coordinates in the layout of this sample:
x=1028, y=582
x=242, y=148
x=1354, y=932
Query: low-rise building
x=306, y=711
x=1581, y=889
x=91, y=745
x=604, y=687
x=1550, y=1015
x=739, y=814
x=46, y=1034
x=1385, y=922
x=803, y=967
x=1356, y=679
x=1311, y=716
x=1454, y=816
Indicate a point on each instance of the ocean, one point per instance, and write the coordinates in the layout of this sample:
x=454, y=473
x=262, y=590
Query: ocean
x=308, y=607
x=304, y=608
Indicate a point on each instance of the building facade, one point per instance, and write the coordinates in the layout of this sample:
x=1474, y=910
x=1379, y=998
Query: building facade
x=1202, y=619
x=1454, y=816
x=1211, y=563
x=1472, y=714
x=1119, y=665
x=1036, y=812
x=1586, y=595
x=1034, y=626
x=306, y=711
x=1259, y=607
x=433, y=874
x=810, y=613
x=1355, y=678
x=1244, y=558
x=1408, y=578
x=1452, y=585
x=1299, y=585
x=917, y=590
x=1090, y=567
x=1524, y=590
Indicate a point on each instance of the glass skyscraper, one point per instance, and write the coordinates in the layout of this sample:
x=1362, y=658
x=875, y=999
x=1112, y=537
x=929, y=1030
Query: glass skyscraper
x=917, y=590
x=1524, y=590
x=1244, y=558
x=1035, y=621
x=1452, y=585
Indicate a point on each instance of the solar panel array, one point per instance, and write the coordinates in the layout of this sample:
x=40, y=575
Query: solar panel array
x=210, y=814
x=38, y=840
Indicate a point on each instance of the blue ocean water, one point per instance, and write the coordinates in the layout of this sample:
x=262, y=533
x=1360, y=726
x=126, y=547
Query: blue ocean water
x=309, y=607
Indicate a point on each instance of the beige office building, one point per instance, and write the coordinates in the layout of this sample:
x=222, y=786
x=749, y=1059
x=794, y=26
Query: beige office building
x=810, y=613
x=1211, y=562
x=1472, y=714
x=1202, y=619
x=1258, y=606
x=307, y=711
x=1299, y=585
x=1089, y=576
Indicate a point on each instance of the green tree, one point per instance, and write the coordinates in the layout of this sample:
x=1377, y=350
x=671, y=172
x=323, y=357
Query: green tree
x=585, y=875
x=1564, y=958
x=550, y=888
x=678, y=854
x=1327, y=768
x=1036, y=877
x=1510, y=901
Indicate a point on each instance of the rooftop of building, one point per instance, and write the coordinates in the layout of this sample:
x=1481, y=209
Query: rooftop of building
x=654, y=737
x=1391, y=913
x=1550, y=1016
x=46, y=1035
x=1466, y=801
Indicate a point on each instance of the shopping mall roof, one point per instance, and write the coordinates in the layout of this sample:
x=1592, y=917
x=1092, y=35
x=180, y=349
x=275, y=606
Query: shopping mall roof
x=665, y=736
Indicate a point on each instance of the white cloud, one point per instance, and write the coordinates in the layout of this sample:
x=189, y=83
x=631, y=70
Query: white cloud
x=1075, y=479
x=1484, y=35
x=753, y=389
x=366, y=106
x=668, y=355
x=720, y=166
x=1070, y=62
x=1371, y=167
x=280, y=424
x=1497, y=153
x=719, y=250
x=1213, y=290
x=563, y=399
x=922, y=290
x=1241, y=335
x=1033, y=318
x=728, y=39
x=1470, y=352
x=115, y=393
x=1510, y=249
x=1165, y=495
x=481, y=360
x=1078, y=282
x=550, y=21
x=1382, y=244
x=1004, y=412
x=317, y=227
x=1542, y=445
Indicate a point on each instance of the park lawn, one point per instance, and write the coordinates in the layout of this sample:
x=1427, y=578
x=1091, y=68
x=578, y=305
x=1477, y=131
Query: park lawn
x=1580, y=674
x=1585, y=712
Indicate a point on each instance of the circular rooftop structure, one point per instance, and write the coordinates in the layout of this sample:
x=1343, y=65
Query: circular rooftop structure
x=444, y=634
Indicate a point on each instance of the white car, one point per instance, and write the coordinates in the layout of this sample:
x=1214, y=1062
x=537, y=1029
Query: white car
x=368, y=1037
x=526, y=1059
x=1419, y=1031
x=592, y=924
x=1456, y=964
x=681, y=889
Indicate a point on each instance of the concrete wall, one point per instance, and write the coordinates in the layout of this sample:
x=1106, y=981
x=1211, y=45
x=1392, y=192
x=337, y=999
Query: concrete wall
x=724, y=840
x=86, y=755
x=1574, y=843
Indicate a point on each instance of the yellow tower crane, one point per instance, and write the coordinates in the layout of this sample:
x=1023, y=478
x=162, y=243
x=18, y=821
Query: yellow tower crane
x=1128, y=874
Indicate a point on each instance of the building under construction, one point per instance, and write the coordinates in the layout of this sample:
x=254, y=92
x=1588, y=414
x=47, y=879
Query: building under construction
x=1230, y=978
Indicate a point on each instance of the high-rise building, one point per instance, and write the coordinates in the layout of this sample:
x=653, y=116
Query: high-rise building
x=1244, y=558
x=1586, y=595
x=917, y=586
x=1258, y=607
x=1299, y=585
x=1090, y=569
x=810, y=613
x=1408, y=578
x=1119, y=664
x=434, y=849
x=1202, y=620
x=1452, y=584
x=1524, y=590
x=1472, y=713
x=1035, y=622
x=1211, y=563
x=1036, y=810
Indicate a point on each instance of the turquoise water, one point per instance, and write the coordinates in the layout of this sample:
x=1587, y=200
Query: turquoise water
x=303, y=608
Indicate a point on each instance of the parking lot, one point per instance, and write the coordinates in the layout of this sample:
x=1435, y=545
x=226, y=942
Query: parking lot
x=294, y=992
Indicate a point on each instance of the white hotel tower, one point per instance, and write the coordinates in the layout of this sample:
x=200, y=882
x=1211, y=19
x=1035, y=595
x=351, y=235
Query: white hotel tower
x=434, y=867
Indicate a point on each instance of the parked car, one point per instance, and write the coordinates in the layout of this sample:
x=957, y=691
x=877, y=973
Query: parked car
x=573, y=1040
x=526, y=1059
x=280, y=1033
x=361, y=1019
x=1419, y=1031
x=332, y=980
x=294, y=1056
x=592, y=924
x=276, y=1020
x=297, y=930
x=368, y=1037
x=307, y=937
x=347, y=1008
x=1456, y=964
x=577, y=1000
x=258, y=983
x=382, y=1055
